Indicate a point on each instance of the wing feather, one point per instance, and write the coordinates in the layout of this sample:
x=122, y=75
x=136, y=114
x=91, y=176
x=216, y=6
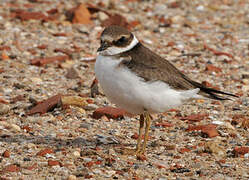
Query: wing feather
x=152, y=67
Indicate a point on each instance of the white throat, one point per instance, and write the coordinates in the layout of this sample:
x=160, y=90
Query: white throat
x=110, y=51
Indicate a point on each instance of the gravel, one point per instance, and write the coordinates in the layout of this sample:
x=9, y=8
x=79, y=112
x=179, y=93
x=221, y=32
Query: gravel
x=46, y=54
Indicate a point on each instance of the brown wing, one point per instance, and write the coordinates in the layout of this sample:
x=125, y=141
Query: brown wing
x=152, y=67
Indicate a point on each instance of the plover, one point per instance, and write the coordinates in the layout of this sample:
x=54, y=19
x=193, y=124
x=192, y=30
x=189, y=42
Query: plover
x=141, y=82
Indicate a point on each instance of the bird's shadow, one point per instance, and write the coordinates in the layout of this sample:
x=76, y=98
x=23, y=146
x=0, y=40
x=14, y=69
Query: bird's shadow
x=78, y=142
x=47, y=140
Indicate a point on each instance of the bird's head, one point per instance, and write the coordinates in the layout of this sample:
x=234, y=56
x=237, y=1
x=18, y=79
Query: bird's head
x=115, y=40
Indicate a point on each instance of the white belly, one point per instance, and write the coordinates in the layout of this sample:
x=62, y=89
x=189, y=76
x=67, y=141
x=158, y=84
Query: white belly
x=130, y=92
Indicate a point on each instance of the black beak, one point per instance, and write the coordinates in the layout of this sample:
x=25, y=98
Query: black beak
x=103, y=47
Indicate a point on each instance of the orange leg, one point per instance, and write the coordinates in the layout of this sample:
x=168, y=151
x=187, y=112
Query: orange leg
x=147, y=128
x=137, y=150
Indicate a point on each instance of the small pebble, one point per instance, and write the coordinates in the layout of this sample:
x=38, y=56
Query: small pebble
x=4, y=109
x=91, y=107
x=87, y=159
x=102, y=16
x=27, y=171
x=108, y=174
x=200, y=8
x=72, y=177
x=76, y=154
x=15, y=128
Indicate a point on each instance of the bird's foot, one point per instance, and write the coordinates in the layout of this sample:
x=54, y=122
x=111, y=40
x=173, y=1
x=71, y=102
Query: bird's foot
x=133, y=152
x=127, y=151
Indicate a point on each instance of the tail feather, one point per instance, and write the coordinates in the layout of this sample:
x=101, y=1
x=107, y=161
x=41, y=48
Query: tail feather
x=213, y=93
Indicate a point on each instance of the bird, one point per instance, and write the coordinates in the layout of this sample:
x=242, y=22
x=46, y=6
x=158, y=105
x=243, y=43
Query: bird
x=136, y=79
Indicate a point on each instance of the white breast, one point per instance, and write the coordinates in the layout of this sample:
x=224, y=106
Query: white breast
x=130, y=92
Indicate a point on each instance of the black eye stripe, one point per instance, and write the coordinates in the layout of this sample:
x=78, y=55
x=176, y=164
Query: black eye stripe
x=121, y=41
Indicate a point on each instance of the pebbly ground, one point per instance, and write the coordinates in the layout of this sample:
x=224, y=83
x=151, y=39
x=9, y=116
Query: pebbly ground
x=48, y=50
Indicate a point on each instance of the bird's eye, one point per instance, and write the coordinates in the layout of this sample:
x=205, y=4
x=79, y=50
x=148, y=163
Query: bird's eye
x=121, y=40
